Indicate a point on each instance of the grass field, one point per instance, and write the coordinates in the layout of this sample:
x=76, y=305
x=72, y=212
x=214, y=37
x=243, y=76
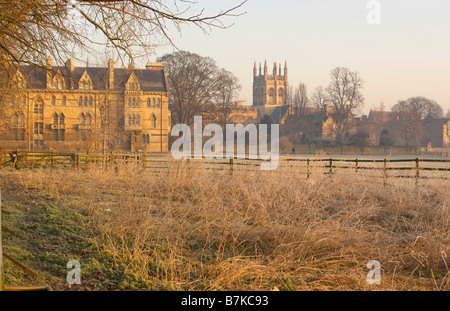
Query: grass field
x=192, y=229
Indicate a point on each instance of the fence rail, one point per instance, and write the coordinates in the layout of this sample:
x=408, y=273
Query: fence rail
x=25, y=159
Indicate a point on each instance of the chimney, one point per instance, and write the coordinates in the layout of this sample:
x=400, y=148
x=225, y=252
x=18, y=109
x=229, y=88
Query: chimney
x=70, y=65
x=49, y=72
x=111, y=74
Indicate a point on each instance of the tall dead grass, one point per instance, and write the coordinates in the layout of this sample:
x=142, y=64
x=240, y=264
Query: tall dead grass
x=195, y=229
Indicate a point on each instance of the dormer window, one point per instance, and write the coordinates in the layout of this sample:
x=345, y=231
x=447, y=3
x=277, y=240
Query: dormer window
x=85, y=82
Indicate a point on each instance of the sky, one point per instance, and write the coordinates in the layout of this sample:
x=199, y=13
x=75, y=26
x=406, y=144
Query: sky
x=407, y=54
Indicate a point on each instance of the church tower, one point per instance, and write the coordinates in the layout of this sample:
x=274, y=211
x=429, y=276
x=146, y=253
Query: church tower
x=270, y=92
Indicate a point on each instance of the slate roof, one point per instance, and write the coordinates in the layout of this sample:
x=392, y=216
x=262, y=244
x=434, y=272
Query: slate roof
x=150, y=80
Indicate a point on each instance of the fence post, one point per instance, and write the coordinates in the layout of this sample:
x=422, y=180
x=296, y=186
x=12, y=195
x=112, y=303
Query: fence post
x=356, y=165
x=307, y=168
x=385, y=167
x=231, y=164
x=417, y=168
x=331, y=165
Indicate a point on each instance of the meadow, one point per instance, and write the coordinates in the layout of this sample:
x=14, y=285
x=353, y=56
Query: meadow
x=188, y=228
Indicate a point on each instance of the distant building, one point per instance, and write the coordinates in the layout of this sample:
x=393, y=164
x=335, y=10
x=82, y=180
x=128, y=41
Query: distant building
x=270, y=92
x=232, y=113
x=78, y=109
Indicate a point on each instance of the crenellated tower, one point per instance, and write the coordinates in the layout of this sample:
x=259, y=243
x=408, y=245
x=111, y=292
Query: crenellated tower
x=270, y=90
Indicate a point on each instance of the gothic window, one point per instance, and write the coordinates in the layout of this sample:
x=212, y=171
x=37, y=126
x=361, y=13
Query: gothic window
x=38, y=128
x=158, y=103
x=55, y=118
x=153, y=121
x=63, y=101
x=91, y=101
x=39, y=109
x=80, y=101
x=138, y=120
x=53, y=100
x=82, y=118
x=153, y=103
x=62, y=118
x=16, y=119
x=145, y=139
x=148, y=103
x=88, y=118
x=85, y=101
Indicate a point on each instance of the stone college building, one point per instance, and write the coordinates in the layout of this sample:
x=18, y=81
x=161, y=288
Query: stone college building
x=85, y=109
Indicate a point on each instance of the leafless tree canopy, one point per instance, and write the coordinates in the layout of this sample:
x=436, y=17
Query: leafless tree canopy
x=195, y=83
x=32, y=30
x=319, y=98
x=423, y=107
x=300, y=99
x=413, y=111
x=344, y=94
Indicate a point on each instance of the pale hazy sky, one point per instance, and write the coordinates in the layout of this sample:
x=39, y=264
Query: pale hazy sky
x=407, y=55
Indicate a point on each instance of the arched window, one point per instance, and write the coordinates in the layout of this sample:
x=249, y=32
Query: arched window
x=133, y=102
x=16, y=119
x=80, y=101
x=53, y=100
x=21, y=119
x=148, y=103
x=158, y=103
x=88, y=118
x=60, y=85
x=138, y=102
x=91, y=101
x=39, y=109
x=148, y=139
x=129, y=120
x=133, y=120
x=55, y=118
x=85, y=101
x=153, y=103
x=62, y=119
x=63, y=101
x=138, y=120
x=153, y=121
x=82, y=118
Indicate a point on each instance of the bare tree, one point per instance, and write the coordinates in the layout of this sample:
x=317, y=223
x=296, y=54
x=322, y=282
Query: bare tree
x=344, y=93
x=196, y=82
x=320, y=99
x=423, y=107
x=300, y=99
x=228, y=88
x=410, y=123
x=32, y=30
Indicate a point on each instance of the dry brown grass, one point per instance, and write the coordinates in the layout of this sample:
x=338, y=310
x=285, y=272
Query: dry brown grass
x=191, y=229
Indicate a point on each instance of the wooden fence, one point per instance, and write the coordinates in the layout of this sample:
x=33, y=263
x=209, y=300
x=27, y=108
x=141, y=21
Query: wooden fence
x=416, y=167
